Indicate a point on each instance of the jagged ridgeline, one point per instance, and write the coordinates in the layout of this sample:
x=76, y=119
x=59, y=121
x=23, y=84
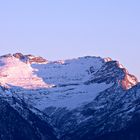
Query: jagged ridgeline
x=87, y=98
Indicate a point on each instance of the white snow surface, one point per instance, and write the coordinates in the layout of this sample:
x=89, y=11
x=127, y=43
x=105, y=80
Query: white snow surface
x=57, y=84
x=69, y=97
x=14, y=72
x=72, y=99
x=67, y=71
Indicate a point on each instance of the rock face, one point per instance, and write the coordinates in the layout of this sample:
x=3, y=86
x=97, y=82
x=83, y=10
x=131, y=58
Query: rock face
x=34, y=59
x=129, y=81
x=30, y=58
x=112, y=71
x=88, y=98
x=22, y=124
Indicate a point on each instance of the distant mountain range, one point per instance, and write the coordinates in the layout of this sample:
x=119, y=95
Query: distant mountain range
x=87, y=98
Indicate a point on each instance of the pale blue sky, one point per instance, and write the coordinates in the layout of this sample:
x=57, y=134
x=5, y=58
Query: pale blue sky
x=58, y=29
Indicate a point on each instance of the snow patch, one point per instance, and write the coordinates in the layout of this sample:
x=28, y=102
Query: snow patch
x=71, y=99
x=17, y=73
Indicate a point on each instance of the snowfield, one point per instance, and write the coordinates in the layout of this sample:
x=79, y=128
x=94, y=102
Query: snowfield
x=53, y=84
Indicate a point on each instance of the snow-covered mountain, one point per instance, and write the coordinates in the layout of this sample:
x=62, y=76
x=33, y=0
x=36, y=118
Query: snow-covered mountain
x=88, y=98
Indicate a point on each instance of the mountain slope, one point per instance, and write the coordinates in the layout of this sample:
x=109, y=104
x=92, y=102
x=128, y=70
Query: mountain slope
x=22, y=123
x=85, y=98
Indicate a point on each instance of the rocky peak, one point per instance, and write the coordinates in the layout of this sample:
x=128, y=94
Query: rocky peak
x=108, y=59
x=19, y=55
x=6, y=55
x=30, y=58
x=114, y=72
x=36, y=59
x=129, y=81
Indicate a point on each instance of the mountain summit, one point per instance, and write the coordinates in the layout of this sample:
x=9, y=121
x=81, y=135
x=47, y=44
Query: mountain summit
x=84, y=98
x=113, y=71
x=28, y=70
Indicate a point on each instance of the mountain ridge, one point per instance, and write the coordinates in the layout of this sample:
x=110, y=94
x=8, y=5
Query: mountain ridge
x=128, y=82
x=85, y=98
